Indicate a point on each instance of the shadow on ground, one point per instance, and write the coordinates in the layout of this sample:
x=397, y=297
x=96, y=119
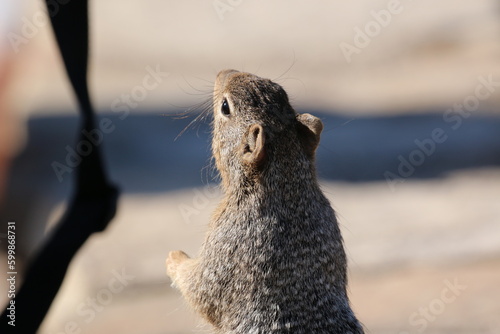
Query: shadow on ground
x=143, y=157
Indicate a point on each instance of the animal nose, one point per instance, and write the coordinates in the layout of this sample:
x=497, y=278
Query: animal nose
x=225, y=73
x=223, y=76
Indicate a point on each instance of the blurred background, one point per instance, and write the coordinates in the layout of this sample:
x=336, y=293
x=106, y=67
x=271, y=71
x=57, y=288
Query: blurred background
x=409, y=92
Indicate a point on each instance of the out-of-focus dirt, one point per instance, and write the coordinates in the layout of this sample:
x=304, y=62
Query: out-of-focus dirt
x=405, y=248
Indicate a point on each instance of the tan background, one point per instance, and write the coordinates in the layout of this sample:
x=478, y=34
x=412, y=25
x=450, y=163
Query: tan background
x=403, y=246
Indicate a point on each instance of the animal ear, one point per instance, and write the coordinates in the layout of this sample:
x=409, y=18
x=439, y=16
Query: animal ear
x=254, y=152
x=309, y=129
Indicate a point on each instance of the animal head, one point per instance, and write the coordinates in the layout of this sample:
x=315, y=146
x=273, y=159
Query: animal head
x=255, y=126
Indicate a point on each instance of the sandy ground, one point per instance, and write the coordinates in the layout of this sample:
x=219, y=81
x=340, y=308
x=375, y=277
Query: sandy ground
x=404, y=256
x=425, y=54
x=424, y=258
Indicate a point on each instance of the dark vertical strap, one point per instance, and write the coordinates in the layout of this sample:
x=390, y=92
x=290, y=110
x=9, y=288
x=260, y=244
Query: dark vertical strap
x=94, y=201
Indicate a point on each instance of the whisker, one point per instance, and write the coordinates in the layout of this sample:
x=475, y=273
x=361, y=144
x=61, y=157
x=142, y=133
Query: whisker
x=200, y=91
x=341, y=125
x=205, y=106
x=288, y=69
x=203, y=79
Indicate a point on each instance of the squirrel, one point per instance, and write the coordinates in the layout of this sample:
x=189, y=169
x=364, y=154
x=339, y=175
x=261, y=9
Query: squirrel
x=273, y=259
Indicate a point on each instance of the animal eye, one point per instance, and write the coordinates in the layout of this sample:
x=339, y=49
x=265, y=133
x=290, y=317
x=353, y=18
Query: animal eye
x=225, y=108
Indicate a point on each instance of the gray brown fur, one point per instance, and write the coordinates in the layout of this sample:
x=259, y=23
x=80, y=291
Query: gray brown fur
x=273, y=259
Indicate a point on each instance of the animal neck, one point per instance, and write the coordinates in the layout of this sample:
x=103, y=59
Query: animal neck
x=289, y=184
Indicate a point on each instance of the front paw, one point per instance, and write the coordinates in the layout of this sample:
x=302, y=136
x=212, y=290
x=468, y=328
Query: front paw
x=173, y=261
